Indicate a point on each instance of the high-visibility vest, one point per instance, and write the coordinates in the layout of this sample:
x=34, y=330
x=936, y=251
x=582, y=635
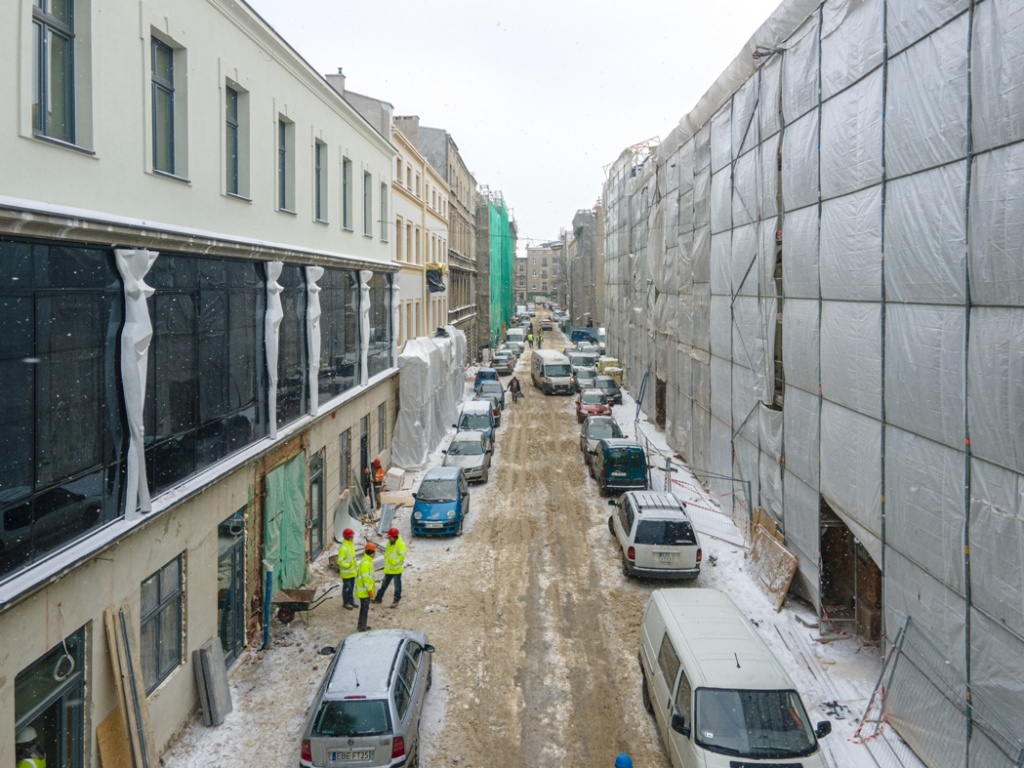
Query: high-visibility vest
x=366, y=586
x=378, y=476
x=394, y=556
x=347, y=559
x=32, y=762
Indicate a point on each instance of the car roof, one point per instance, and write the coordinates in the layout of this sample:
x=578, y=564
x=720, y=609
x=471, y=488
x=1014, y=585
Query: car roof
x=655, y=501
x=469, y=436
x=442, y=473
x=486, y=370
x=366, y=660
x=476, y=406
x=591, y=391
x=602, y=379
x=621, y=442
x=490, y=383
x=599, y=419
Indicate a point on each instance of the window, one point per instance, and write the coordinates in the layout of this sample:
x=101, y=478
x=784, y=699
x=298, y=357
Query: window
x=161, y=623
x=668, y=661
x=163, y=107
x=53, y=97
x=398, y=169
x=384, y=213
x=231, y=139
x=285, y=165
x=231, y=585
x=339, y=333
x=382, y=427
x=409, y=244
x=346, y=193
x=399, y=231
x=292, y=394
x=320, y=181
x=417, y=185
x=408, y=178
x=367, y=204
x=345, y=458
x=60, y=434
x=379, y=358
x=49, y=695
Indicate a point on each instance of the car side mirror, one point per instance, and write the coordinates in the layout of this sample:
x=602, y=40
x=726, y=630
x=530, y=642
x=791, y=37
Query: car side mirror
x=327, y=650
x=428, y=648
x=444, y=451
x=679, y=724
x=823, y=729
x=415, y=495
x=612, y=502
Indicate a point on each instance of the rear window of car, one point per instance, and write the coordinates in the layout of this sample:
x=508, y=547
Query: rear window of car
x=627, y=457
x=665, y=532
x=604, y=429
x=352, y=717
x=475, y=421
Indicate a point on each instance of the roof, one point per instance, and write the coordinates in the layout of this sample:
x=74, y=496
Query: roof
x=468, y=436
x=442, y=473
x=722, y=649
x=365, y=662
x=621, y=442
x=476, y=406
x=649, y=501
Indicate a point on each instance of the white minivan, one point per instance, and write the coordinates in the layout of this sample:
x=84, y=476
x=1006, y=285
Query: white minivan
x=718, y=694
x=550, y=372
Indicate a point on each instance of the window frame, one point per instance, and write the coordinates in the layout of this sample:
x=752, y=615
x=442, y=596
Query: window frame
x=367, y=204
x=346, y=193
x=175, y=599
x=45, y=22
x=285, y=164
x=384, y=212
x=320, y=160
x=232, y=128
x=160, y=84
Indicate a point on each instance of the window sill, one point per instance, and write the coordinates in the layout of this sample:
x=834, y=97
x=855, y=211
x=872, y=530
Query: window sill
x=321, y=221
x=346, y=229
x=65, y=144
x=238, y=197
x=285, y=210
x=172, y=176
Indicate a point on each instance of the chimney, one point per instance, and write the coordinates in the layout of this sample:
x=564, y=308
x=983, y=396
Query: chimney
x=337, y=82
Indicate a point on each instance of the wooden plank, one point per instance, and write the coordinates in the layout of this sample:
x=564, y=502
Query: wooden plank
x=137, y=689
x=774, y=566
x=114, y=744
x=120, y=669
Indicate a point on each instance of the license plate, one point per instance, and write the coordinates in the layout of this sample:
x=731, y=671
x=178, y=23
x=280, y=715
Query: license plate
x=362, y=754
x=434, y=525
x=666, y=557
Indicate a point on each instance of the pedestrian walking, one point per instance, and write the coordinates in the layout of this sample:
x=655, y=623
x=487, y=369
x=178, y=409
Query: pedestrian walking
x=347, y=568
x=529, y=339
x=623, y=760
x=366, y=585
x=394, y=564
x=540, y=339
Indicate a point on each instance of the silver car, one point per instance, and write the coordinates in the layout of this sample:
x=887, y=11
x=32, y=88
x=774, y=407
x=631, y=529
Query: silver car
x=367, y=709
x=472, y=452
x=655, y=535
x=593, y=429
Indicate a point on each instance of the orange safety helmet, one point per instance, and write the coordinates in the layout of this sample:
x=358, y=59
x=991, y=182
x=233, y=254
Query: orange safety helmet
x=392, y=533
x=348, y=533
x=371, y=547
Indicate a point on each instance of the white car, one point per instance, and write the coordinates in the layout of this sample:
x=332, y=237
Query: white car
x=655, y=535
x=471, y=451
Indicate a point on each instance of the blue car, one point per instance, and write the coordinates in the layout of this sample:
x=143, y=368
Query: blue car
x=442, y=503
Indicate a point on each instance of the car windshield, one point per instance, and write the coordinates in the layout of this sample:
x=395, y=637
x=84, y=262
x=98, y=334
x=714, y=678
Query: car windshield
x=626, y=457
x=754, y=724
x=584, y=373
x=352, y=717
x=593, y=398
x=604, y=429
x=665, y=532
x=480, y=421
x=465, y=448
x=438, y=490
x=557, y=369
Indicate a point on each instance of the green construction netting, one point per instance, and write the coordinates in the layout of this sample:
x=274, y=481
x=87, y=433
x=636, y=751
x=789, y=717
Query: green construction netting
x=284, y=539
x=502, y=269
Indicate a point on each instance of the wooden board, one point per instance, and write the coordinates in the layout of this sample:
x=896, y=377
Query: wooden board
x=774, y=566
x=130, y=686
x=115, y=749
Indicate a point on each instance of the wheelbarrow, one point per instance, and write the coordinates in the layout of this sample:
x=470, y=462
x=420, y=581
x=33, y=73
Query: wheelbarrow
x=292, y=601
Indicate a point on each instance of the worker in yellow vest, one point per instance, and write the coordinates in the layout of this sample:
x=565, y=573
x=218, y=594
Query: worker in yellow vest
x=27, y=751
x=366, y=584
x=394, y=564
x=347, y=567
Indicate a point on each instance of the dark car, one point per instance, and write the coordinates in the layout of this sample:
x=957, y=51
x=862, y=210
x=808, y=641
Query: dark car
x=492, y=389
x=610, y=387
x=503, y=363
x=619, y=465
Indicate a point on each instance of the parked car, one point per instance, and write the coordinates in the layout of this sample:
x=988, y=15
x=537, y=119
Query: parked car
x=610, y=387
x=619, y=465
x=591, y=402
x=495, y=406
x=441, y=502
x=587, y=346
x=471, y=451
x=504, y=363
x=594, y=428
x=484, y=374
x=546, y=324
x=516, y=347
x=584, y=378
x=655, y=536
x=477, y=415
x=493, y=389
x=368, y=707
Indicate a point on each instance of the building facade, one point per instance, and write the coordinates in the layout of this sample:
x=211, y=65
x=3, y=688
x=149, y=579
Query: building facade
x=584, y=268
x=197, y=354
x=545, y=269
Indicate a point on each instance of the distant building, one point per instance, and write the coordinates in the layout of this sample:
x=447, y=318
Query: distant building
x=584, y=265
x=545, y=280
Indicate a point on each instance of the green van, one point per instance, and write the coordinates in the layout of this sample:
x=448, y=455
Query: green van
x=619, y=464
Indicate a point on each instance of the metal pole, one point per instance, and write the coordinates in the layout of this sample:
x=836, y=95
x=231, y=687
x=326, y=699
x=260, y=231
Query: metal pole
x=267, y=589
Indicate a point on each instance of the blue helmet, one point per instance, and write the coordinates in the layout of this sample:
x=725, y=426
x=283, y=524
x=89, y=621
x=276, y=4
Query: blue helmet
x=623, y=761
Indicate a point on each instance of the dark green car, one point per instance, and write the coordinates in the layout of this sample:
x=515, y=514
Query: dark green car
x=619, y=465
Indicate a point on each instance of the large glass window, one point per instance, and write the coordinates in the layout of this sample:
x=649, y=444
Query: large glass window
x=291, y=357
x=62, y=436
x=49, y=698
x=339, y=333
x=206, y=382
x=379, y=359
x=160, y=623
x=163, y=106
x=53, y=102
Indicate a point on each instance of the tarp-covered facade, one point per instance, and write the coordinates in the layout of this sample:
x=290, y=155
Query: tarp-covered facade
x=502, y=265
x=823, y=263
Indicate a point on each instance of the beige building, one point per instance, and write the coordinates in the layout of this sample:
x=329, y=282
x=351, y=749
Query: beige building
x=198, y=353
x=545, y=281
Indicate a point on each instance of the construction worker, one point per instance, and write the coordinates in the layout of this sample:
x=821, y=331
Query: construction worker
x=529, y=339
x=27, y=751
x=347, y=567
x=540, y=339
x=366, y=584
x=394, y=564
x=378, y=478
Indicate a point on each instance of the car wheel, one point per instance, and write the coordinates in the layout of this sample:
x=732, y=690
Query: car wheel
x=458, y=532
x=625, y=567
x=430, y=677
x=646, y=695
x=611, y=526
x=486, y=475
x=590, y=468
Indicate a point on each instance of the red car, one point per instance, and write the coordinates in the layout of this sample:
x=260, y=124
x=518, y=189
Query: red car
x=591, y=402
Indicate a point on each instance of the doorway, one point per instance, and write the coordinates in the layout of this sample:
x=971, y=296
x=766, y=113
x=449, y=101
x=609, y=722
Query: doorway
x=231, y=585
x=850, y=581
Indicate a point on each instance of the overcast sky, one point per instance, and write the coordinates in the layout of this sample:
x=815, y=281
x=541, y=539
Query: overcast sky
x=539, y=95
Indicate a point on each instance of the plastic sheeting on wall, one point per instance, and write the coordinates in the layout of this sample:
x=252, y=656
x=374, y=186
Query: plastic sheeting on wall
x=284, y=532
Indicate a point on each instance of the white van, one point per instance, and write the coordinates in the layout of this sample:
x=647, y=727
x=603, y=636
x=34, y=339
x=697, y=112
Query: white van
x=551, y=372
x=718, y=694
x=516, y=334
